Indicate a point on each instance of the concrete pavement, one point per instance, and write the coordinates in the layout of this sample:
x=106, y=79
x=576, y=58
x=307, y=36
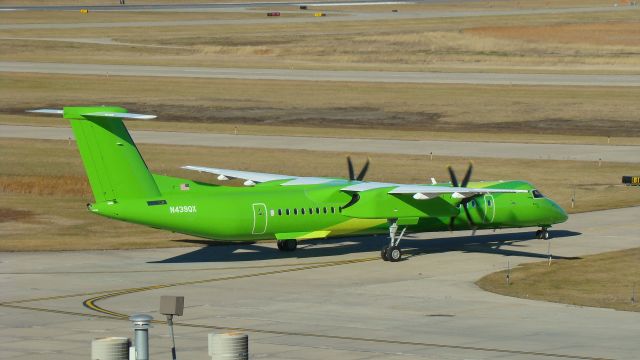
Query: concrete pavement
x=426, y=307
x=324, y=75
x=416, y=147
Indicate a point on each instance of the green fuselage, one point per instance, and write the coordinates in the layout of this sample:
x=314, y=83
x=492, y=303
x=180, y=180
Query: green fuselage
x=268, y=211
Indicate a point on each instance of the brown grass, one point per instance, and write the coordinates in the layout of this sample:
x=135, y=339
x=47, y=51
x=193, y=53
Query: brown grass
x=44, y=185
x=422, y=111
x=60, y=220
x=411, y=44
x=454, y=5
x=604, y=35
x=62, y=17
x=603, y=280
x=7, y=214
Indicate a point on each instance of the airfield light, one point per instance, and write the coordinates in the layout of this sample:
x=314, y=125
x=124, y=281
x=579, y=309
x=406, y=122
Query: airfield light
x=170, y=306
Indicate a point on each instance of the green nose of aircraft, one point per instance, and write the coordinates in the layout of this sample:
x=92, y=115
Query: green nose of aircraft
x=554, y=212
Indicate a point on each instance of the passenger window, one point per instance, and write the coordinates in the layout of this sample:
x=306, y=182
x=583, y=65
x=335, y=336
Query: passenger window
x=317, y=210
x=310, y=211
x=295, y=211
x=287, y=211
x=537, y=194
x=279, y=212
x=302, y=211
x=272, y=212
x=324, y=209
x=488, y=203
x=333, y=210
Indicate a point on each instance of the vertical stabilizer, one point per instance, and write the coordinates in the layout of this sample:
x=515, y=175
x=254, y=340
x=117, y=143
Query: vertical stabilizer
x=112, y=161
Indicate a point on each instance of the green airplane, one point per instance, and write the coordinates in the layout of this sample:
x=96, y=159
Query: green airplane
x=288, y=208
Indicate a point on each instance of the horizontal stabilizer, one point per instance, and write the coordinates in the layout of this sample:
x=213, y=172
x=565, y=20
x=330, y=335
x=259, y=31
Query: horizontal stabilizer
x=101, y=114
x=46, y=111
x=121, y=115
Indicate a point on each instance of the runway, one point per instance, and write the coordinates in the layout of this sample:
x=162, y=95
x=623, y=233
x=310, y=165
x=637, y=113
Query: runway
x=324, y=75
x=607, y=153
x=332, y=299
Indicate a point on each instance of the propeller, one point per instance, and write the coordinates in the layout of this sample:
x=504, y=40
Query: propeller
x=362, y=172
x=355, y=196
x=465, y=201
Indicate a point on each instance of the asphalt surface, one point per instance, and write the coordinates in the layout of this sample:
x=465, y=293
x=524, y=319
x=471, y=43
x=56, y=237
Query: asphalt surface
x=328, y=300
x=423, y=147
x=324, y=75
x=220, y=5
x=343, y=16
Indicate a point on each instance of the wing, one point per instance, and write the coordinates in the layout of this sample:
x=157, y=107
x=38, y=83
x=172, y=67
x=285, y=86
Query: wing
x=419, y=192
x=426, y=192
x=252, y=178
x=376, y=200
x=410, y=202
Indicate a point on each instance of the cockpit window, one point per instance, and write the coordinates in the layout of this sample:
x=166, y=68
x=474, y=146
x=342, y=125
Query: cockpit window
x=537, y=194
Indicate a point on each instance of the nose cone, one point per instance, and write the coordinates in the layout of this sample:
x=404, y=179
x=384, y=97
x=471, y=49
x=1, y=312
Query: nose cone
x=557, y=213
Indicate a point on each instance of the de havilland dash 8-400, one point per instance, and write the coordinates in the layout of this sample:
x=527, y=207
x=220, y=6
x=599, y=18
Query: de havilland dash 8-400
x=288, y=208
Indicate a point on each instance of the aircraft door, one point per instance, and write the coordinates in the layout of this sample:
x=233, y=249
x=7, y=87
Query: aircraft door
x=259, y=218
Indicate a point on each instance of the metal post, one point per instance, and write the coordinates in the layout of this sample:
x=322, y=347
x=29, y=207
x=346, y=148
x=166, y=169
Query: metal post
x=549, y=251
x=173, y=339
x=141, y=325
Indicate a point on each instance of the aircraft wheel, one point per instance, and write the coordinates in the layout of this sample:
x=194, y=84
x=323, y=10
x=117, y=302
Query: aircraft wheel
x=545, y=235
x=539, y=234
x=290, y=245
x=394, y=254
x=383, y=253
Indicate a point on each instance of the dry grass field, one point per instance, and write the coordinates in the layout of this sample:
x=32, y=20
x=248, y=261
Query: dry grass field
x=62, y=17
x=603, y=280
x=418, y=111
x=484, y=43
x=43, y=190
x=441, y=5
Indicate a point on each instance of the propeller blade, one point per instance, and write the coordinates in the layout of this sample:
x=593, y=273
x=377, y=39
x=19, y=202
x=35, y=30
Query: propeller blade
x=467, y=176
x=350, y=166
x=364, y=170
x=452, y=175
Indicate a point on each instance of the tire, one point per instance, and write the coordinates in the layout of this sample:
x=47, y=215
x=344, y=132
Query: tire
x=394, y=254
x=539, y=234
x=383, y=253
x=280, y=245
x=545, y=235
x=290, y=245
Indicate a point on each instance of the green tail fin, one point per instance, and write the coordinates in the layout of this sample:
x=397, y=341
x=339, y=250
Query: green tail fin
x=112, y=161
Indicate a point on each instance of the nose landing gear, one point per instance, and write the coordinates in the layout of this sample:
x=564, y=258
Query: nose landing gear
x=543, y=234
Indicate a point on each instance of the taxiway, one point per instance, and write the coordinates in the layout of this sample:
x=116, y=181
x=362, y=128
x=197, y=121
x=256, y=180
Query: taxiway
x=332, y=299
x=611, y=153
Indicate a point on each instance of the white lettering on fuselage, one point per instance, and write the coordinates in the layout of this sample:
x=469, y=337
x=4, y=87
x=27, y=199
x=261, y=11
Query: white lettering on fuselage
x=183, y=209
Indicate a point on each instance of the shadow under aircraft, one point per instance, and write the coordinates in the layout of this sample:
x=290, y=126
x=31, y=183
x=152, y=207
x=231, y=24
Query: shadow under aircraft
x=491, y=243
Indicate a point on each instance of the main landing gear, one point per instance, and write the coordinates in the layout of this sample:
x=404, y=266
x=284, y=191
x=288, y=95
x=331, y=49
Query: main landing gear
x=542, y=234
x=287, y=245
x=392, y=252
